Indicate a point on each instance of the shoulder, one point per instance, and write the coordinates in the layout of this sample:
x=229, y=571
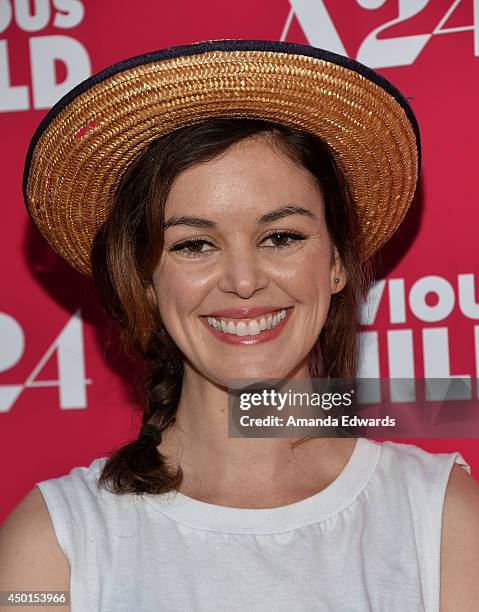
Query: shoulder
x=419, y=474
x=460, y=543
x=30, y=556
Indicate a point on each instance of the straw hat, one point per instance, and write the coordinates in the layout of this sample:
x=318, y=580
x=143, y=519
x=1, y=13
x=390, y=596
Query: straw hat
x=87, y=140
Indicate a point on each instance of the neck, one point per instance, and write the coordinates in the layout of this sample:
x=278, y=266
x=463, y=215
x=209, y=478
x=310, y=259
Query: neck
x=244, y=472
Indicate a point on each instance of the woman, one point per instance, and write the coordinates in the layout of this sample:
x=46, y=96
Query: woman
x=227, y=198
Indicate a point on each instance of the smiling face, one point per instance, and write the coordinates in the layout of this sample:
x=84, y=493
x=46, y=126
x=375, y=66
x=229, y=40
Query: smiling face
x=244, y=256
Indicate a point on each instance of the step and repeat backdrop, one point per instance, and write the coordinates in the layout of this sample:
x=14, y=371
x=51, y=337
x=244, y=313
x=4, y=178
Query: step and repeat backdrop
x=65, y=394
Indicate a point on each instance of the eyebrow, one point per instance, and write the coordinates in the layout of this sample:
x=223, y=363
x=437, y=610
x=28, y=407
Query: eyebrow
x=269, y=217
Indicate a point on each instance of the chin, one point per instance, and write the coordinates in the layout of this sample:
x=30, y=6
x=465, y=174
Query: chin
x=237, y=377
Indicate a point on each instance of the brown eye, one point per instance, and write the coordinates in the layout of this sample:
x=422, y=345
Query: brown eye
x=192, y=248
x=280, y=239
x=195, y=247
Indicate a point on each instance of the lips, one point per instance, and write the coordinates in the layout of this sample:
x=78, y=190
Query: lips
x=250, y=326
x=263, y=336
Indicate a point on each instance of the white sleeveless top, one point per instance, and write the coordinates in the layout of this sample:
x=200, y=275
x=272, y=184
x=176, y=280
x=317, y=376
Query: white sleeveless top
x=369, y=541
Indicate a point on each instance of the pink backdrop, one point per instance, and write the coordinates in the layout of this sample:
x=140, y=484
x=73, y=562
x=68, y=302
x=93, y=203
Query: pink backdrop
x=62, y=402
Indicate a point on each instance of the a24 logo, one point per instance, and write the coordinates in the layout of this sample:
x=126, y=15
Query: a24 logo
x=375, y=52
x=70, y=353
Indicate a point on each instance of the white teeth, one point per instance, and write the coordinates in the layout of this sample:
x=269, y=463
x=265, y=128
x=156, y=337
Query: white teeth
x=247, y=328
x=241, y=329
x=253, y=328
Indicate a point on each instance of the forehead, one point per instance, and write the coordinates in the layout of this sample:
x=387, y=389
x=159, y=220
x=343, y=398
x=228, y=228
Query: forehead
x=252, y=175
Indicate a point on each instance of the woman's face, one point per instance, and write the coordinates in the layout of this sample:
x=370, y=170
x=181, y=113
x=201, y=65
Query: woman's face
x=238, y=262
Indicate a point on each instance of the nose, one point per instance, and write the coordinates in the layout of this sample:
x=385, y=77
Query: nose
x=242, y=272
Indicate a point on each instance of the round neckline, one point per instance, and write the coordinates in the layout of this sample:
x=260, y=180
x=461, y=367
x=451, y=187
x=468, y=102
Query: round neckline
x=313, y=509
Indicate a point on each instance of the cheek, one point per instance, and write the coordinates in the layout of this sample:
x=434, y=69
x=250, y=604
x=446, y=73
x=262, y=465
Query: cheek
x=312, y=289
x=310, y=279
x=171, y=294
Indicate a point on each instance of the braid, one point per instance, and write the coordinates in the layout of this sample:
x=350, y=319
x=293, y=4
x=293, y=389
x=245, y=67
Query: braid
x=162, y=379
x=138, y=467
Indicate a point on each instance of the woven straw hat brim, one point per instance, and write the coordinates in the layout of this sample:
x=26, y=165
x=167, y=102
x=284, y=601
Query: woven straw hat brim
x=85, y=143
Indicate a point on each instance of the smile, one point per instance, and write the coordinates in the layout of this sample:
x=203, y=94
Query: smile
x=248, y=330
x=247, y=327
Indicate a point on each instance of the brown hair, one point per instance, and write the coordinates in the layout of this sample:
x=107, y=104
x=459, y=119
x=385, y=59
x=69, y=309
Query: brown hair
x=129, y=245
